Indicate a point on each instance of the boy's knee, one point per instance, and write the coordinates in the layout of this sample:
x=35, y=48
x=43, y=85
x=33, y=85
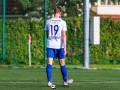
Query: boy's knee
x=62, y=62
x=50, y=61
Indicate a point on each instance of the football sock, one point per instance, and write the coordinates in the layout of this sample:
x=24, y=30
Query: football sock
x=64, y=72
x=49, y=72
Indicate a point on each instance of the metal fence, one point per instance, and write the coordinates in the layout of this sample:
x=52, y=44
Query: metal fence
x=104, y=53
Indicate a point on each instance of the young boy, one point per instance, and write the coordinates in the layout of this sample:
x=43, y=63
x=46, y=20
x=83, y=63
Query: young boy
x=56, y=45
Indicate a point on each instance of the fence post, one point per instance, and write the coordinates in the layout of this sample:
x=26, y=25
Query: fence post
x=86, y=36
x=86, y=33
x=3, y=28
x=44, y=30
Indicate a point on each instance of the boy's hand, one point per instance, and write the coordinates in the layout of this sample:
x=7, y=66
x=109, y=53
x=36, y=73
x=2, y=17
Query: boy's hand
x=65, y=52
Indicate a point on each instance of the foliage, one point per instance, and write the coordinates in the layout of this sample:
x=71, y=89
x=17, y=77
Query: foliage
x=35, y=7
x=108, y=50
x=16, y=38
x=16, y=42
x=27, y=6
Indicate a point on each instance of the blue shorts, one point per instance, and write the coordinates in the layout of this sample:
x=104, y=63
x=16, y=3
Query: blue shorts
x=55, y=53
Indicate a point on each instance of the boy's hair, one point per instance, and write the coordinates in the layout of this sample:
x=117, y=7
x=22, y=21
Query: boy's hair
x=57, y=9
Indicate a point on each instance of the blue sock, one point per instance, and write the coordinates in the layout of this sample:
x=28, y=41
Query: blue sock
x=49, y=72
x=64, y=72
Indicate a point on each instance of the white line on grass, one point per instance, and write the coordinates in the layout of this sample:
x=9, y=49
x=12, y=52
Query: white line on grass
x=83, y=81
x=98, y=81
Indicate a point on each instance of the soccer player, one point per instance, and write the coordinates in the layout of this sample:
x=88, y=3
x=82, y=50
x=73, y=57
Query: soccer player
x=56, y=45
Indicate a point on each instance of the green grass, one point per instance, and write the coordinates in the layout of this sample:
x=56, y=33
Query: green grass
x=35, y=79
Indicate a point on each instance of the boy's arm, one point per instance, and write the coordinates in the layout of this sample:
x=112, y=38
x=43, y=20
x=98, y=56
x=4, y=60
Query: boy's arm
x=64, y=41
x=47, y=33
x=46, y=29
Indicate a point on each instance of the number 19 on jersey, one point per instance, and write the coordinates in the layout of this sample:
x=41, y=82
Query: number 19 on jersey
x=54, y=29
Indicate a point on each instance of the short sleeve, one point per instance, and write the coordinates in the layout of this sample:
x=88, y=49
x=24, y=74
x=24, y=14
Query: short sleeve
x=64, y=26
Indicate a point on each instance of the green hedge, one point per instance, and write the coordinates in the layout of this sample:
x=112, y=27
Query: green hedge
x=108, y=52
x=16, y=42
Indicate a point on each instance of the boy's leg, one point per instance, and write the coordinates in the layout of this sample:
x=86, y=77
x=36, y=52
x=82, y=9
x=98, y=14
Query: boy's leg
x=64, y=73
x=63, y=69
x=49, y=69
x=50, y=56
x=61, y=57
x=49, y=72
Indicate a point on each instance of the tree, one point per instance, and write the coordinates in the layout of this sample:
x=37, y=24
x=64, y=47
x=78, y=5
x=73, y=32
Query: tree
x=27, y=6
x=35, y=7
x=24, y=5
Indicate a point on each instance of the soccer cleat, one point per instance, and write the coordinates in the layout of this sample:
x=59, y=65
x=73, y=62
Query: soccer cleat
x=50, y=84
x=70, y=81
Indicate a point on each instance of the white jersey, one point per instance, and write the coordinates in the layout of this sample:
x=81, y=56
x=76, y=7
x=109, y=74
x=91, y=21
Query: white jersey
x=55, y=26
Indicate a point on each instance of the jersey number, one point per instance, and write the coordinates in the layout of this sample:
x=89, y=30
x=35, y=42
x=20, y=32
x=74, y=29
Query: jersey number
x=54, y=29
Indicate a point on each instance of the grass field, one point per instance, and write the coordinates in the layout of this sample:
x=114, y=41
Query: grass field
x=35, y=79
